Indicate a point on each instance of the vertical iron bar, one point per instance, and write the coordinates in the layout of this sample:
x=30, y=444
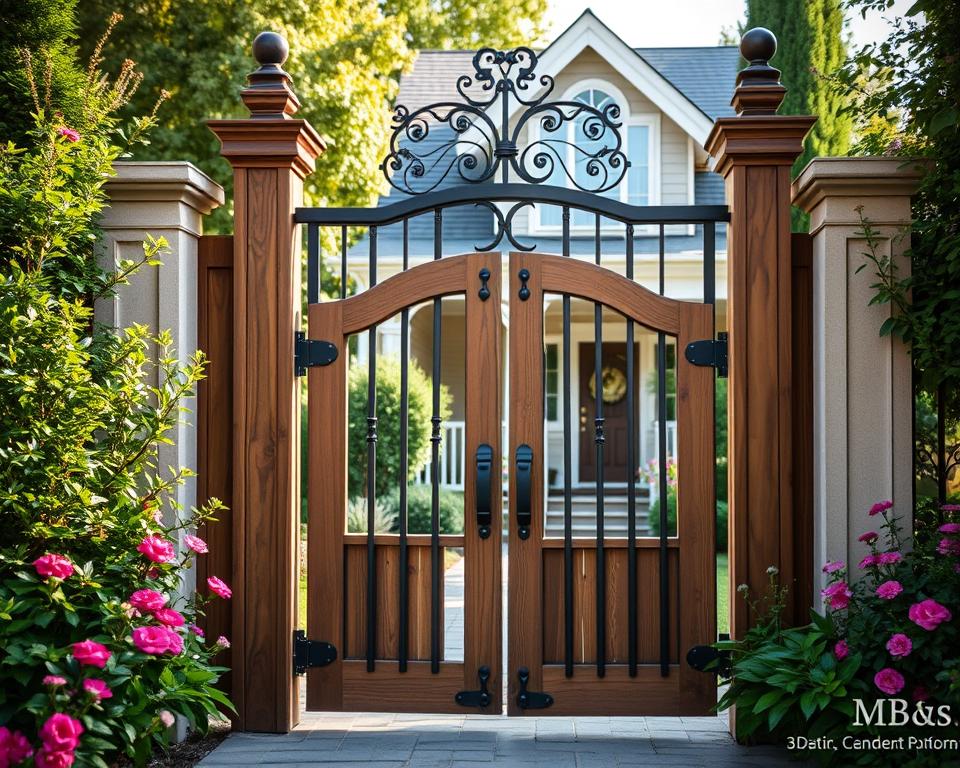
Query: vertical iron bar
x=404, y=465
x=662, y=476
x=435, y=597
x=372, y=472
x=709, y=262
x=598, y=438
x=313, y=263
x=567, y=474
x=343, y=262
x=631, y=486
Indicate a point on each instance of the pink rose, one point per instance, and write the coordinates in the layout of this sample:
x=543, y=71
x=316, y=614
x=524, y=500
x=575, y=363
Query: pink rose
x=14, y=747
x=868, y=561
x=176, y=643
x=60, y=733
x=831, y=566
x=169, y=617
x=68, y=133
x=880, y=506
x=888, y=558
x=49, y=759
x=198, y=631
x=841, y=650
x=157, y=549
x=949, y=547
x=218, y=587
x=869, y=537
x=152, y=640
x=222, y=642
x=53, y=565
x=91, y=654
x=147, y=600
x=195, y=544
x=928, y=614
x=838, y=595
x=889, y=681
x=167, y=718
x=54, y=680
x=889, y=589
x=949, y=528
x=899, y=645
x=98, y=688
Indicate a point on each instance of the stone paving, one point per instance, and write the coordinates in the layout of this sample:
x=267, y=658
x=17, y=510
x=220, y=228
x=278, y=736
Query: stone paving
x=327, y=740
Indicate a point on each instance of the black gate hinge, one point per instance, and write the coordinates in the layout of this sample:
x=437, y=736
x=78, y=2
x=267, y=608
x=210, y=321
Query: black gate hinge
x=709, y=352
x=308, y=654
x=481, y=698
x=706, y=658
x=310, y=352
x=531, y=699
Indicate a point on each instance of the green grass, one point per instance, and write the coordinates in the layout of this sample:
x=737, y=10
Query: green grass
x=723, y=593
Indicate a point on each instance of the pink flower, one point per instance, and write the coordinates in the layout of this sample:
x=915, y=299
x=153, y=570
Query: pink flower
x=153, y=573
x=838, y=595
x=920, y=693
x=53, y=565
x=91, y=654
x=889, y=680
x=147, y=600
x=899, y=645
x=832, y=566
x=889, y=589
x=49, y=759
x=218, y=587
x=880, y=506
x=888, y=558
x=176, y=643
x=68, y=133
x=869, y=537
x=167, y=718
x=153, y=640
x=949, y=528
x=196, y=544
x=949, y=547
x=169, y=617
x=868, y=561
x=157, y=549
x=54, y=680
x=222, y=642
x=950, y=507
x=60, y=733
x=196, y=630
x=841, y=650
x=14, y=747
x=928, y=614
x=98, y=688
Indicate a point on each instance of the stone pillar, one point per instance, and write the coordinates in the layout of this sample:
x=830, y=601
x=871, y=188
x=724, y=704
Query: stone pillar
x=754, y=152
x=271, y=153
x=169, y=200
x=862, y=391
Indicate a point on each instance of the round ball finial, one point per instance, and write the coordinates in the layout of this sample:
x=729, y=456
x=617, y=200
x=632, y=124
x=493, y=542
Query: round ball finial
x=270, y=48
x=758, y=45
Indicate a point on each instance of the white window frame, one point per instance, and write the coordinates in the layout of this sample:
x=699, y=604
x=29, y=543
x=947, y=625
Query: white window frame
x=654, y=158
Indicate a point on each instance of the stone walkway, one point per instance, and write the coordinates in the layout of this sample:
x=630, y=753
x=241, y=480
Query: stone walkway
x=340, y=740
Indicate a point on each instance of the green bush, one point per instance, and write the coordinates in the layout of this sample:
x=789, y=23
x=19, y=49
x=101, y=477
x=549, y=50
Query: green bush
x=419, y=509
x=388, y=425
x=384, y=520
x=672, y=519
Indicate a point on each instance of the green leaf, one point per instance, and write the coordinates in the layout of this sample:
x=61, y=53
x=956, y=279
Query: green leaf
x=808, y=703
x=777, y=713
x=768, y=700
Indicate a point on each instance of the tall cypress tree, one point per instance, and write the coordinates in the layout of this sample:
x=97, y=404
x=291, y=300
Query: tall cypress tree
x=810, y=48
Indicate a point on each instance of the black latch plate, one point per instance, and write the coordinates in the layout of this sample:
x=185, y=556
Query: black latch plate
x=709, y=352
x=481, y=698
x=308, y=654
x=310, y=352
x=531, y=699
x=701, y=657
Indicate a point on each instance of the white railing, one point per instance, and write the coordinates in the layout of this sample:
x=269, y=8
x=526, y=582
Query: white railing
x=453, y=458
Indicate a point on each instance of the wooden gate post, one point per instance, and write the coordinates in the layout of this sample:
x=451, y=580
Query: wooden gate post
x=754, y=152
x=271, y=153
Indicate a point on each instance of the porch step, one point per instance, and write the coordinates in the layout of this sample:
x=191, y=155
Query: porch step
x=584, y=515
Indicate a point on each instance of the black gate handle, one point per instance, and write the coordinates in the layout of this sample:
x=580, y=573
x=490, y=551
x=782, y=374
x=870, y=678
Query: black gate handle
x=484, y=481
x=524, y=459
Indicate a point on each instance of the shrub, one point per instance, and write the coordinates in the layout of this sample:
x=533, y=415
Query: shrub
x=419, y=509
x=384, y=520
x=892, y=633
x=420, y=409
x=98, y=652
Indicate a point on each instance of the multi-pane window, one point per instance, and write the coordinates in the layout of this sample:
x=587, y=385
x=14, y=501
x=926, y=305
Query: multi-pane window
x=552, y=383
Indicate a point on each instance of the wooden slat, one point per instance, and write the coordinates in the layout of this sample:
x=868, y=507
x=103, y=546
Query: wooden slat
x=416, y=690
x=616, y=694
x=580, y=543
x=215, y=428
x=393, y=539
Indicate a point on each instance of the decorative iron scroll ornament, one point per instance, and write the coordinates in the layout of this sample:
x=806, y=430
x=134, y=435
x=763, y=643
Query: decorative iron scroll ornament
x=419, y=161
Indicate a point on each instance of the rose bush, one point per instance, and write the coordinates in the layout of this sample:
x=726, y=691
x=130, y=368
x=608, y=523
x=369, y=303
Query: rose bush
x=98, y=644
x=891, y=629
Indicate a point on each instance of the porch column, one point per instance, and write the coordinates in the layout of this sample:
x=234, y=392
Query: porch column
x=271, y=153
x=754, y=152
x=862, y=389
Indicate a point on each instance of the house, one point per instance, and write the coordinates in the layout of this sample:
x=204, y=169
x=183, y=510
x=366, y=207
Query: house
x=668, y=100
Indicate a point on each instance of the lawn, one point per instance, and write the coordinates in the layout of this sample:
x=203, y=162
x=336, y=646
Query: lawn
x=723, y=593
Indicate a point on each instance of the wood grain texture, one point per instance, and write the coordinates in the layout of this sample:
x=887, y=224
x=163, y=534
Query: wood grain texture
x=616, y=694
x=215, y=428
x=416, y=690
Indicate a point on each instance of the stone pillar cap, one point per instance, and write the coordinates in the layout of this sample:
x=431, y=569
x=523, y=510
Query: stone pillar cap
x=164, y=181
x=856, y=177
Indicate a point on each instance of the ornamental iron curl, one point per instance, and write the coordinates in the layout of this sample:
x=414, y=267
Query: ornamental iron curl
x=431, y=143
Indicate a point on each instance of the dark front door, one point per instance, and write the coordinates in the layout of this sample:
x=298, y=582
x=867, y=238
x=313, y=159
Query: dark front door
x=614, y=392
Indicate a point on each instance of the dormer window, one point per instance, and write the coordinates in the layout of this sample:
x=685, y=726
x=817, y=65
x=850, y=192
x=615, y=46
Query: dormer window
x=640, y=135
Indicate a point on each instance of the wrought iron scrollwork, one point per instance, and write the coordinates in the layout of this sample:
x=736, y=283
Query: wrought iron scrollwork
x=422, y=154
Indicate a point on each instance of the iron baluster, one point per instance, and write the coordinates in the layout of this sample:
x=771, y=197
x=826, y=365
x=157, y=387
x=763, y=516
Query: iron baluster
x=343, y=262
x=631, y=486
x=436, y=608
x=372, y=472
x=404, y=570
x=709, y=262
x=598, y=422
x=567, y=499
x=313, y=263
x=662, y=480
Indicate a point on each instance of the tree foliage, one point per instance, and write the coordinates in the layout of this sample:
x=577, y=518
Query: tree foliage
x=469, y=23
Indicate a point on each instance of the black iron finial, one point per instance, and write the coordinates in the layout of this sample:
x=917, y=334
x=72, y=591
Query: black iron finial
x=270, y=48
x=268, y=94
x=758, y=46
x=759, y=91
